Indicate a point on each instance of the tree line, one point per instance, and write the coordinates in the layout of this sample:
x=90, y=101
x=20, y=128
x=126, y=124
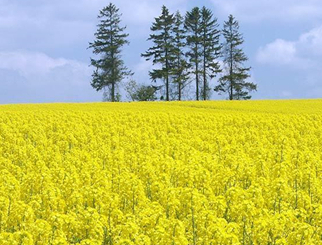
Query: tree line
x=185, y=49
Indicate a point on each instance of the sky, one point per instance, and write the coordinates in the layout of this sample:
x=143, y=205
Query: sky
x=44, y=55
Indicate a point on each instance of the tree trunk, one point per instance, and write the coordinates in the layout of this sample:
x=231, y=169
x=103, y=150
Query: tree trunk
x=112, y=58
x=204, y=67
x=231, y=72
x=204, y=79
x=167, y=75
x=197, y=79
x=197, y=83
x=179, y=78
x=167, y=87
x=113, y=92
x=179, y=89
x=196, y=71
x=231, y=91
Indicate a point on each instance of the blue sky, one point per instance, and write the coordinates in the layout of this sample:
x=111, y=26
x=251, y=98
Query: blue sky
x=44, y=55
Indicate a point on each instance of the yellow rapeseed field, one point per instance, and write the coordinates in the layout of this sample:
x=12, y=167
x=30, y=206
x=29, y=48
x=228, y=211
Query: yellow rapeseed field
x=161, y=173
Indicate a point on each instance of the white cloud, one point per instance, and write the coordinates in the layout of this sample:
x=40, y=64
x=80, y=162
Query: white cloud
x=310, y=43
x=35, y=63
x=134, y=12
x=36, y=77
x=301, y=59
x=303, y=53
x=278, y=52
x=275, y=10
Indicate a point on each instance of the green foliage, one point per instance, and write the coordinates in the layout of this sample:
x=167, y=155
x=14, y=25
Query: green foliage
x=162, y=52
x=180, y=65
x=211, y=49
x=204, y=48
x=146, y=93
x=183, y=48
x=193, y=29
x=234, y=82
x=141, y=92
x=110, y=38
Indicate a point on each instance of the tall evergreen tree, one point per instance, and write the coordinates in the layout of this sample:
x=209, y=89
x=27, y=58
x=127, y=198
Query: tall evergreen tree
x=110, y=38
x=234, y=82
x=194, y=40
x=163, y=49
x=180, y=65
x=210, y=42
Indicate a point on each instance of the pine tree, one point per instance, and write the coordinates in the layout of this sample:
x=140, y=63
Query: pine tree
x=234, y=82
x=163, y=50
x=210, y=36
x=193, y=30
x=110, y=38
x=180, y=65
